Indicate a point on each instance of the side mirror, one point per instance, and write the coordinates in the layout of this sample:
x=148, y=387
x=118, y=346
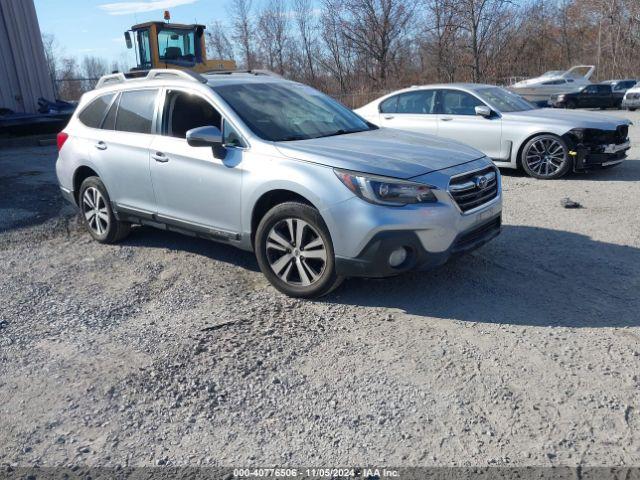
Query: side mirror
x=127, y=39
x=483, y=111
x=204, y=137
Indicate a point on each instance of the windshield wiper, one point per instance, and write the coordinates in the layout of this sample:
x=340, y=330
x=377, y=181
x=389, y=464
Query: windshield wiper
x=342, y=131
x=292, y=138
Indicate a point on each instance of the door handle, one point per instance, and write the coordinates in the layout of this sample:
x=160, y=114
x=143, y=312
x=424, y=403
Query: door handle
x=446, y=119
x=388, y=117
x=101, y=145
x=160, y=157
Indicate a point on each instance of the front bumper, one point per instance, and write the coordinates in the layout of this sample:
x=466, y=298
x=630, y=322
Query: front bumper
x=364, y=235
x=373, y=262
x=588, y=157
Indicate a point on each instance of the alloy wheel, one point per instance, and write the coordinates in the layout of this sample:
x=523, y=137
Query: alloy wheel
x=296, y=252
x=95, y=211
x=545, y=156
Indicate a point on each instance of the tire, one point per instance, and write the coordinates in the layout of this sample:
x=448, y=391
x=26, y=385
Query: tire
x=546, y=157
x=97, y=214
x=571, y=104
x=631, y=109
x=280, y=241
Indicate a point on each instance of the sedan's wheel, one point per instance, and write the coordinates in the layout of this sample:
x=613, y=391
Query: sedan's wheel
x=294, y=251
x=97, y=214
x=546, y=157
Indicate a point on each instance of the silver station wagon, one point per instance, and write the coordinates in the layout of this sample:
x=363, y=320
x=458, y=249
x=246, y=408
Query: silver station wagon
x=276, y=167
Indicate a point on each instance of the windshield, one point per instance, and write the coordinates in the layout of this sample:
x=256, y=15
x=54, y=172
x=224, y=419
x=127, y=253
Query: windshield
x=176, y=45
x=504, y=100
x=552, y=73
x=289, y=111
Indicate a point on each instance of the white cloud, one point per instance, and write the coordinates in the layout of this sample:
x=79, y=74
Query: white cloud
x=127, y=8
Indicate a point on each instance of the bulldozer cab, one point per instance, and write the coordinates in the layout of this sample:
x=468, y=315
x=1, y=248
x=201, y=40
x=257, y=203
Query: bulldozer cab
x=172, y=45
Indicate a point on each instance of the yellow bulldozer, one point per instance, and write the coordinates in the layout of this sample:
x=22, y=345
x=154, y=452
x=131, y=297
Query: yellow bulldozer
x=172, y=45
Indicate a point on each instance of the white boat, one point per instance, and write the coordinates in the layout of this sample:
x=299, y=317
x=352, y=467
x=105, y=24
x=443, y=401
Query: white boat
x=541, y=88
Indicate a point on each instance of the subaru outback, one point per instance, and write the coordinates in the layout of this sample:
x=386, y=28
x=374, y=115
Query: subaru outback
x=275, y=167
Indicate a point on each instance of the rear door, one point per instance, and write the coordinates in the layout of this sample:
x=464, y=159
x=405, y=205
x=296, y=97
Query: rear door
x=121, y=149
x=412, y=111
x=193, y=187
x=457, y=120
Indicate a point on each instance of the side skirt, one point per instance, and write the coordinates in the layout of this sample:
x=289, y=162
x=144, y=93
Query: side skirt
x=128, y=214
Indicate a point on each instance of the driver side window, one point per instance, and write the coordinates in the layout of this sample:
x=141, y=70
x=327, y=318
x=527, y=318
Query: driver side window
x=184, y=111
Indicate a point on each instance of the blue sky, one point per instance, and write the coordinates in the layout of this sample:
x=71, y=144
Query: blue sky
x=96, y=27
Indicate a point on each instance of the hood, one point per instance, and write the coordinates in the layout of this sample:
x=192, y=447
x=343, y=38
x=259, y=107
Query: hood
x=387, y=152
x=570, y=118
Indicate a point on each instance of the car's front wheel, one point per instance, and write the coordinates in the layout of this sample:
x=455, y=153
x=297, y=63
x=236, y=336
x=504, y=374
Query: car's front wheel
x=294, y=250
x=546, y=157
x=97, y=214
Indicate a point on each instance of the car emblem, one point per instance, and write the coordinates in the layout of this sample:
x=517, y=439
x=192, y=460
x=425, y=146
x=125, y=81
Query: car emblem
x=481, y=182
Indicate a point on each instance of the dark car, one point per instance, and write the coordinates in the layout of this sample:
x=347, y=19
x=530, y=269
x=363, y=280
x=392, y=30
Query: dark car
x=598, y=95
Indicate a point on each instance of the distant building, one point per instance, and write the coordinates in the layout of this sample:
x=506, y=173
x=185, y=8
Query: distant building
x=24, y=76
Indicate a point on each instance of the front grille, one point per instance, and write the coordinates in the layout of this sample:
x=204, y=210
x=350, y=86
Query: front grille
x=472, y=190
x=633, y=96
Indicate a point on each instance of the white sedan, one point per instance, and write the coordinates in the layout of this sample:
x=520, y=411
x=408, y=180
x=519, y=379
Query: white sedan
x=547, y=143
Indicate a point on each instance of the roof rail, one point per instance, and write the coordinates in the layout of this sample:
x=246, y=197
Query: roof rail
x=186, y=74
x=250, y=72
x=154, y=74
x=109, y=79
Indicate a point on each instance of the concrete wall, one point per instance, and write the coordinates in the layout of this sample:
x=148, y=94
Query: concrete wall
x=23, y=70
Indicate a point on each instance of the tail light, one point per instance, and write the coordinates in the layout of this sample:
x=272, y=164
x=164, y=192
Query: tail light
x=61, y=138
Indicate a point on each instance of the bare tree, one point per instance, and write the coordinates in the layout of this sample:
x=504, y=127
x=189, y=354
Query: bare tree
x=243, y=31
x=374, y=27
x=304, y=19
x=273, y=34
x=91, y=69
x=482, y=21
x=218, y=43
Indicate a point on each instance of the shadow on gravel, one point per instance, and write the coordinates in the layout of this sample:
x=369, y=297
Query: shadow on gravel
x=527, y=276
x=150, y=237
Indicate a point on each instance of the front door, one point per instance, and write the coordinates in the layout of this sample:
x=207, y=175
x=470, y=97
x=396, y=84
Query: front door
x=458, y=120
x=193, y=187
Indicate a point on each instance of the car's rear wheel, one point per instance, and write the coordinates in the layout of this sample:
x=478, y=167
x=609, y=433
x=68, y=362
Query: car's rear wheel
x=97, y=214
x=546, y=157
x=294, y=250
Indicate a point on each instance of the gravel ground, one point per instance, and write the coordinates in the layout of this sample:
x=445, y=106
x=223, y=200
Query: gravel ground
x=168, y=350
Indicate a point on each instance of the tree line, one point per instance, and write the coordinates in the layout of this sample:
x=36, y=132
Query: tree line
x=356, y=49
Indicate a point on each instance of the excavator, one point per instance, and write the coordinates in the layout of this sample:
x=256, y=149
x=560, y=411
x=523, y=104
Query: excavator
x=172, y=45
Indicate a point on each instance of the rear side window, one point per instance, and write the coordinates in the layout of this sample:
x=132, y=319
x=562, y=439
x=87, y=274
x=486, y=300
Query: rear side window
x=135, y=111
x=417, y=102
x=93, y=114
x=184, y=111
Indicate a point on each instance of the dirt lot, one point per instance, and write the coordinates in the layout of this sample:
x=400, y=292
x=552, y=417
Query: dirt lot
x=171, y=350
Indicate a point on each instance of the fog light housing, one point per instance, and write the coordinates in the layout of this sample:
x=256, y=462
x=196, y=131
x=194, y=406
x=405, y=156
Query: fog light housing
x=398, y=257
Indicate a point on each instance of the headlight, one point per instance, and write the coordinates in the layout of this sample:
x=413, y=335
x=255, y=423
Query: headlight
x=384, y=190
x=561, y=97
